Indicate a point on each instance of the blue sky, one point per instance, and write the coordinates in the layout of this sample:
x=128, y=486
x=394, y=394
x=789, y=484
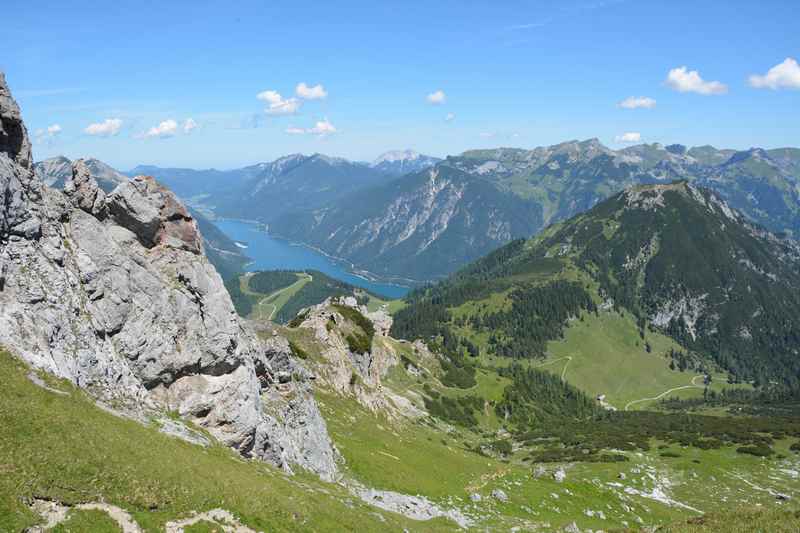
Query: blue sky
x=512, y=73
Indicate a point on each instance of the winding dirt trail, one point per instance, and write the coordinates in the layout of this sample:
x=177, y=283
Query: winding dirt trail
x=564, y=371
x=693, y=385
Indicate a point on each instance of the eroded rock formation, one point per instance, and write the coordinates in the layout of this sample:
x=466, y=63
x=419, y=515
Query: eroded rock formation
x=114, y=292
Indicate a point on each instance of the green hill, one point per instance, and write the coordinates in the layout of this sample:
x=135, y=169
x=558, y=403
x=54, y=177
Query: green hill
x=692, y=284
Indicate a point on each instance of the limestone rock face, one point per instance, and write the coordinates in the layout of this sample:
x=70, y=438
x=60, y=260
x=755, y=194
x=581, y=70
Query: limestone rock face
x=13, y=136
x=357, y=374
x=114, y=292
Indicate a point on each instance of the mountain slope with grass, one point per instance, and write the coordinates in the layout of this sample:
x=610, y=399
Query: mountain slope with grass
x=693, y=277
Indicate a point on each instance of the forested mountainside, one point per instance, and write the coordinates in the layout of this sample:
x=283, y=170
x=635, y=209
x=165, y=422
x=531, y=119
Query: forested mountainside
x=296, y=182
x=221, y=251
x=675, y=257
x=550, y=183
x=417, y=227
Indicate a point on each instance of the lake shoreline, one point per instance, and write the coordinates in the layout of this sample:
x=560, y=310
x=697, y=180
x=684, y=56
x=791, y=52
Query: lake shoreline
x=282, y=256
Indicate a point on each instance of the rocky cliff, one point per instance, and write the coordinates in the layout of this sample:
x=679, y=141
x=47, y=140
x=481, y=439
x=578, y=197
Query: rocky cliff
x=113, y=292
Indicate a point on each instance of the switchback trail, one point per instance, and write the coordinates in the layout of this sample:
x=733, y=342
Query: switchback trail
x=692, y=386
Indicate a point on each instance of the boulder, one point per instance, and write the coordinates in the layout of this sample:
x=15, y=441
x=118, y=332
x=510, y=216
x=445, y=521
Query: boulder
x=499, y=495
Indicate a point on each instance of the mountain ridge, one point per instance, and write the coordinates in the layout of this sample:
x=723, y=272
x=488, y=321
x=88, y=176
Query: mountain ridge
x=556, y=182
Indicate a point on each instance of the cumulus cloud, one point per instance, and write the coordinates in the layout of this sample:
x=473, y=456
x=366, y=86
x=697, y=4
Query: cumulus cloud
x=166, y=128
x=637, y=102
x=322, y=128
x=108, y=128
x=437, y=97
x=450, y=117
x=784, y=75
x=629, y=137
x=684, y=80
x=48, y=134
x=317, y=92
x=189, y=125
x=277, y=104
x=50, y=131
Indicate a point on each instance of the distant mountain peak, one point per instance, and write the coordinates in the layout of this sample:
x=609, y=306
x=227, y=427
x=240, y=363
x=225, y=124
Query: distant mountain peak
x=329, y=159
x=398, y=162
x=396, y=155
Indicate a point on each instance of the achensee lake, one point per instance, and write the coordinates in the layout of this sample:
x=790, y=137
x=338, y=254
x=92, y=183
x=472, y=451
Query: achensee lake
x=271, y=253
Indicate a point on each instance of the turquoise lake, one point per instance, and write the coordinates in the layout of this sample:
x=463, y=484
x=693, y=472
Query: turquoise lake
x=271, y=253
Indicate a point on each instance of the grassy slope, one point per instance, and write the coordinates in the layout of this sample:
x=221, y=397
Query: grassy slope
x=609, y=357
x=420, y=459
x=269, y=304
x=607, y=354
x=65, y=448
x=439, y=461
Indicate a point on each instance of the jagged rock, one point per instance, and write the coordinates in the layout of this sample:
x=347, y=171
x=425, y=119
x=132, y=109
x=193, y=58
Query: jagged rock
x=340, y=364
x=114, y=293
x=572, y=528
x=499, y=495
x=154, y=215
x=84, y=192
x=14, y=139
x=560, y=475
x=475, y=497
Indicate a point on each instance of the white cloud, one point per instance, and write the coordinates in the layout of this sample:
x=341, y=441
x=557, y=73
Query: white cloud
x=166, y=128
x=50, y=131
x=637, y=102
x=784, y=75
x=189, y=125
x=450, y=117
x=322, y=128
x=108, y=128
x=277, y=104
x=48, y=134
x=629, y=137
x=317, y=92
x=437, y=97
x=273, y=97
x=488, y=134
x=684, y=80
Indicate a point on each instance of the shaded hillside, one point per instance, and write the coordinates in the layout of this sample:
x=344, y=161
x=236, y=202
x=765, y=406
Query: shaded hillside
x=550, y=184
x=420, y=226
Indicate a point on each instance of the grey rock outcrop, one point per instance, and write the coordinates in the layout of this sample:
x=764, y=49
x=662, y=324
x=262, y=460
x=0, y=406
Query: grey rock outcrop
x=499, y=495
x=114, y=292
x=357, y=374
x=14, y=139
